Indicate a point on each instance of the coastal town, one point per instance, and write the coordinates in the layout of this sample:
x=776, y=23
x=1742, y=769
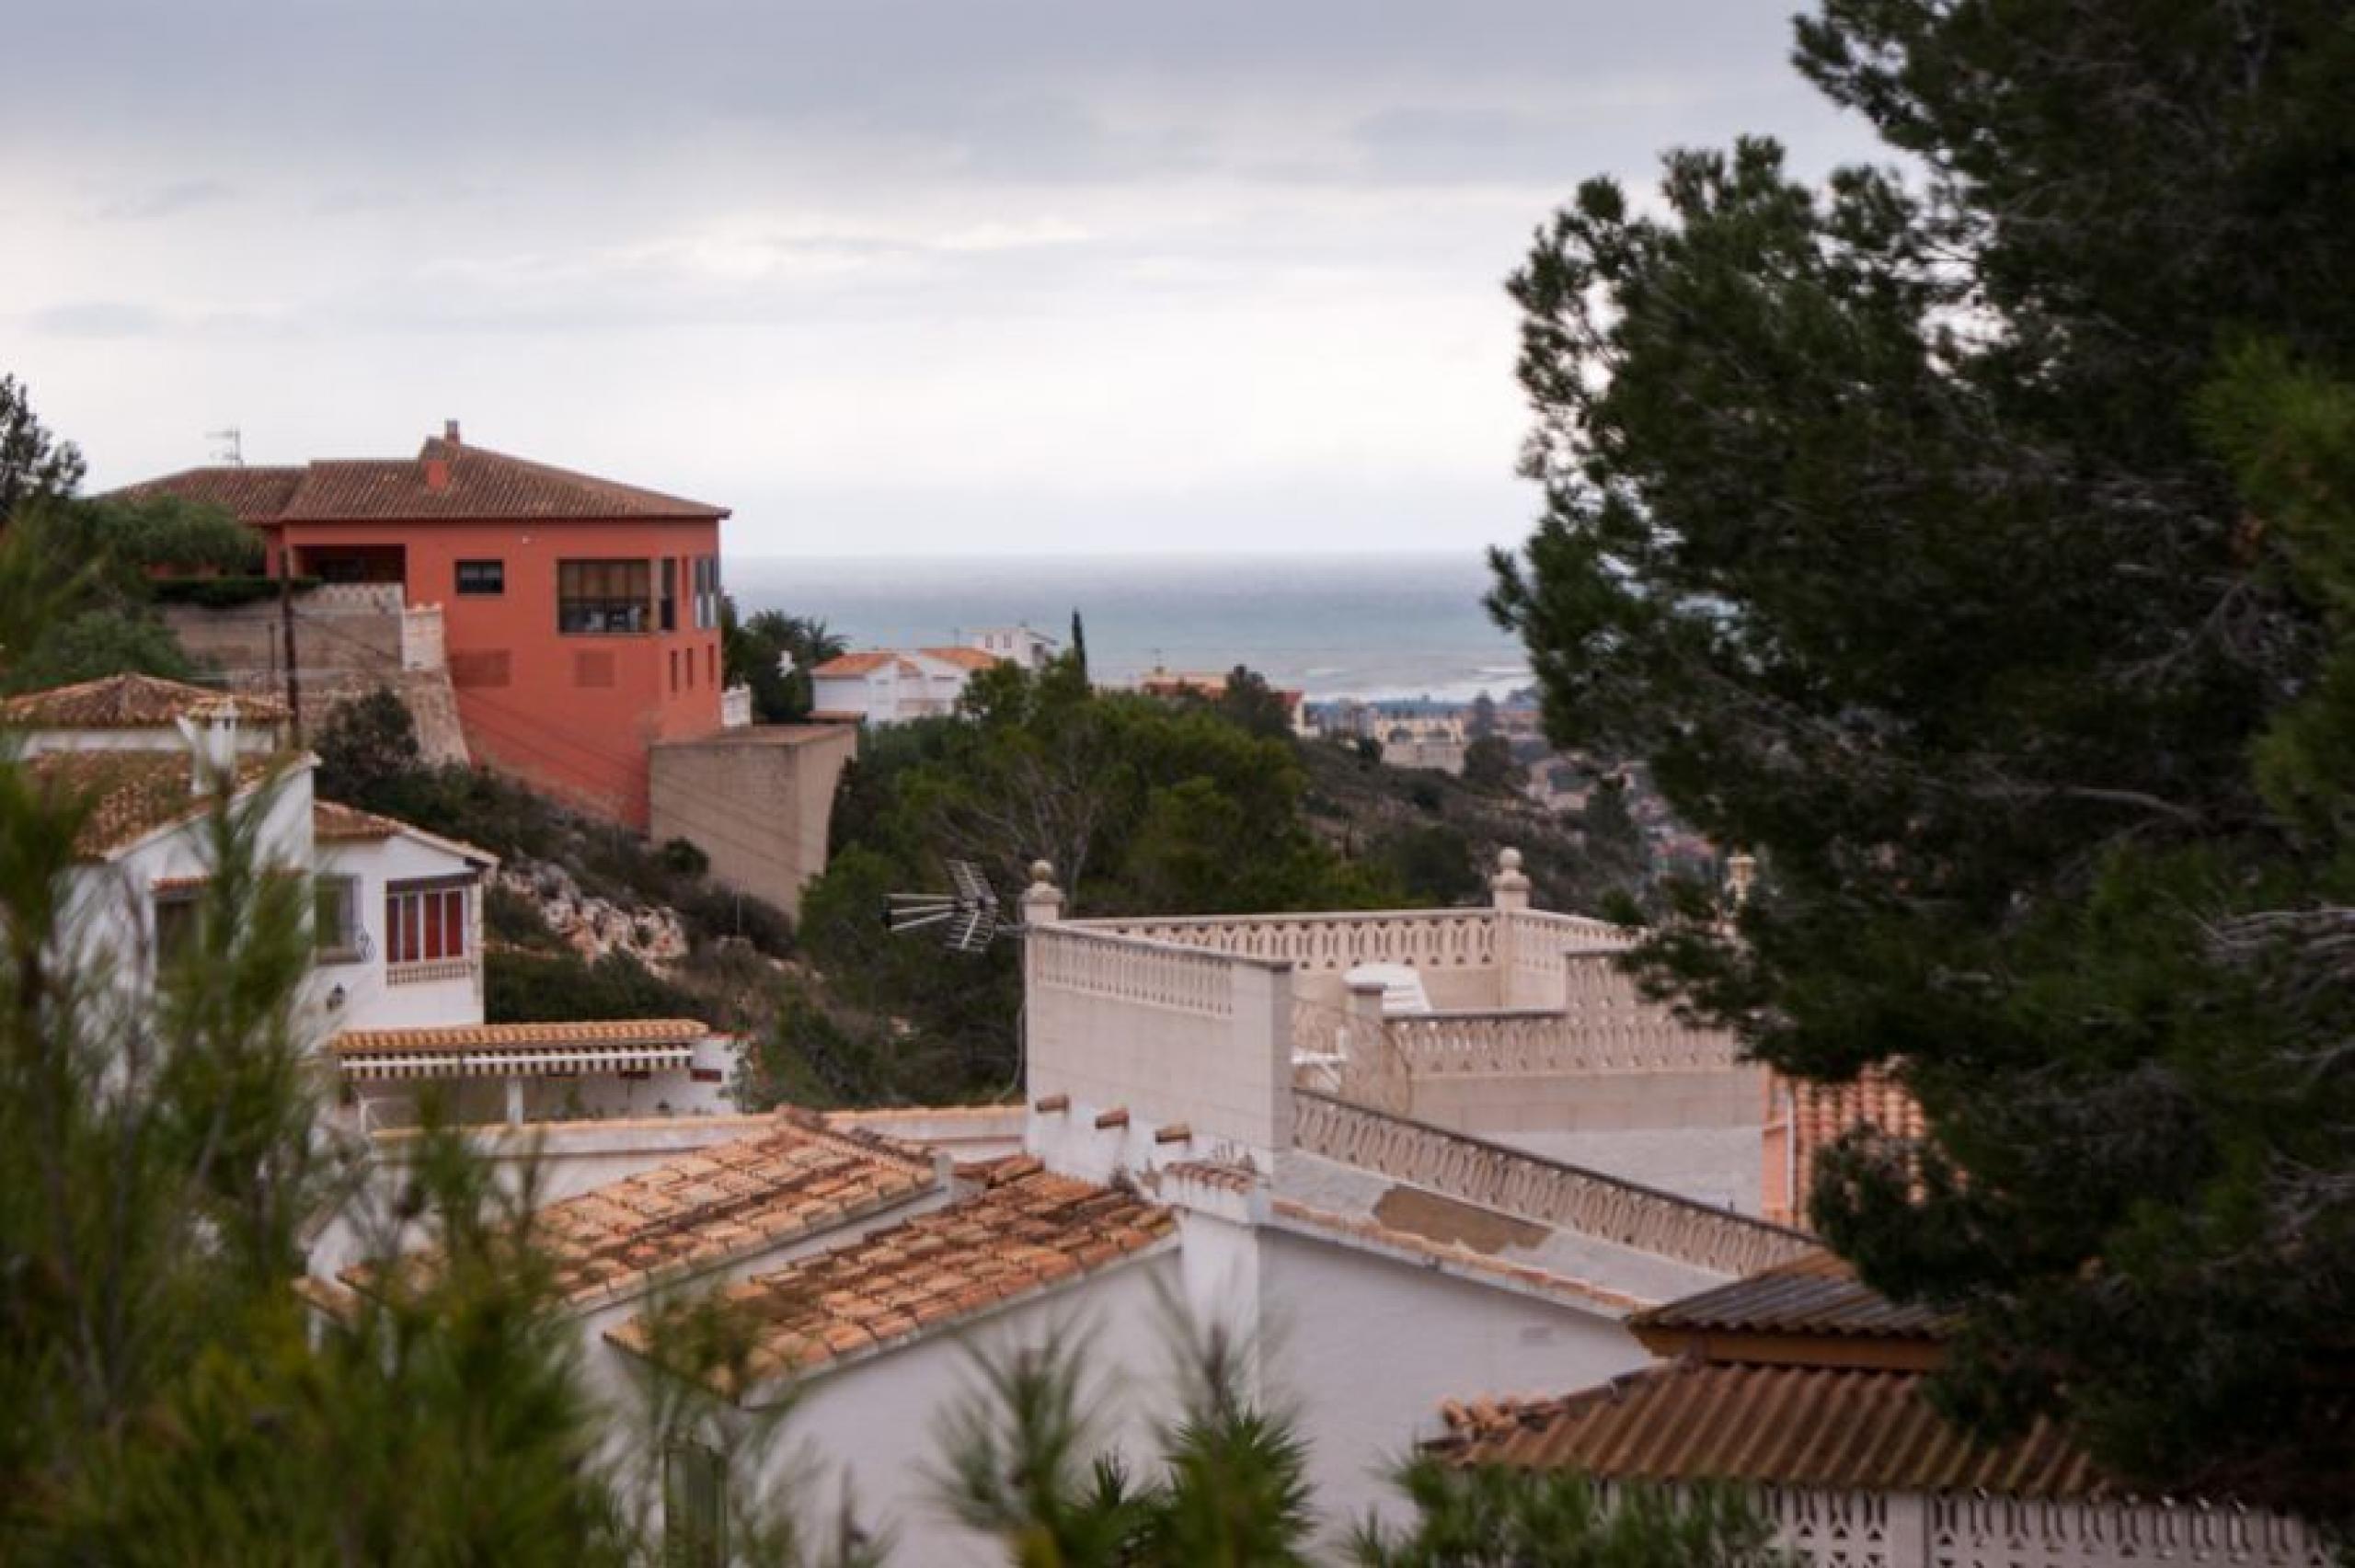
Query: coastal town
x=515, y=1048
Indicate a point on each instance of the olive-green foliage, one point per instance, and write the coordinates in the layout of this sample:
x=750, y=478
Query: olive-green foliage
x=1139, y=806
x=1500, y=1517
x=33, y=463
x=1973, y=546
x=1025, y=1461
x=531, y=987
x=1026, y=1458
x=773, y=654
x=76, y=575
x=1433, y=863
x=158, y=1167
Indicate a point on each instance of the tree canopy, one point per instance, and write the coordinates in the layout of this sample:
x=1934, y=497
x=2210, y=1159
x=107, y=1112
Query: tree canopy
x=1141, y=806
x=1968, y=538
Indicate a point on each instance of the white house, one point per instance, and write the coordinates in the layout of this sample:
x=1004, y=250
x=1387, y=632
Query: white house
x=894, y=685
x=396, y=991
x=1016, y=644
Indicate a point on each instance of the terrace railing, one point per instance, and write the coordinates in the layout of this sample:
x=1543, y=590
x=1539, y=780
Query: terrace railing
x=1331, y=943
x=1493, y=1176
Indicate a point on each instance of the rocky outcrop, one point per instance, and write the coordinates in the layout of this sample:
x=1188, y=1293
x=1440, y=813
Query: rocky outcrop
x=592, y=926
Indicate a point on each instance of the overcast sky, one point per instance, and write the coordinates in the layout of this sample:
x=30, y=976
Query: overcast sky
x=885, y=276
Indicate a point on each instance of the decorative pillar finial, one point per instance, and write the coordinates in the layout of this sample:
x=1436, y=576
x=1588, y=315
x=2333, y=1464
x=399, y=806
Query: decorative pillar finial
x=1043, y=902
x=1510, y=887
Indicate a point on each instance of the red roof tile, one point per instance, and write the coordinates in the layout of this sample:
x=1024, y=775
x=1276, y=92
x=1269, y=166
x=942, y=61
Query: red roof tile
x=251, y=494
x=965, y=657
x=132, y=794
x=1814, y=1294
x=477, y=484
x=334, y=823
x=1840, y=1429
x=130, y=701
x=717, y=1204
x=1025, y=1232
x=848, y=664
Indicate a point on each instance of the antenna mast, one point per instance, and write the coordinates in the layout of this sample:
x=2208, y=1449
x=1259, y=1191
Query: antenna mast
x=228, y=446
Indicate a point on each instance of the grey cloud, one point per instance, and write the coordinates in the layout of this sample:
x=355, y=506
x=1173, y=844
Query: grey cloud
x=167, y=201
x=96, y=318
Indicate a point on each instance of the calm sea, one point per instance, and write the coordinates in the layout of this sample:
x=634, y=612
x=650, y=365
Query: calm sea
x=1362, y=626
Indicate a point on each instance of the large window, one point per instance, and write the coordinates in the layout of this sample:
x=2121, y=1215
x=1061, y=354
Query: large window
x=670, y=593
x=603, y=596
x=482, y=578
x=424, y=921
x=335, y=921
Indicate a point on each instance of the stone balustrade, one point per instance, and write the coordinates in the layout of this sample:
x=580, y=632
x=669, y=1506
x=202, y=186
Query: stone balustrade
x=1332, y=943
x=1597, y=1037
x=1493, y=1176
x=1120, y=968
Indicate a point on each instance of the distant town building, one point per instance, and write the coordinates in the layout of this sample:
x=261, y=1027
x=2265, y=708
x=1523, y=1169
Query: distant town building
x=581, y=616
x=894, y=685
x=1210, y=687
x=1016, y=644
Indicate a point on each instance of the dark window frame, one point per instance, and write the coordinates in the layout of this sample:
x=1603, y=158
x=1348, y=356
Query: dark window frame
x=604, y=595
x=345, y=940
x=495, y=569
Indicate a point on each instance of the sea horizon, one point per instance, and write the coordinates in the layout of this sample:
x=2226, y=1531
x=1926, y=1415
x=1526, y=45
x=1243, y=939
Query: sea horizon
x=1390, y=624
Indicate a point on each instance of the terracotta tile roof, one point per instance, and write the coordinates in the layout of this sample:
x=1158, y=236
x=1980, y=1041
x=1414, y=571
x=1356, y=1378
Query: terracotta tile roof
x=333, y=822
x=1822, y=1113
x=965, y=657
x=1373, y=1235
x=847, y=664
x=479, y=484
x=796, y=1178
x=1025, y=1231
x=130, y=701
x=131, y=793
x=1845, y=1429
x=496, y=1037
x=1814, y=1294
x=251, y=494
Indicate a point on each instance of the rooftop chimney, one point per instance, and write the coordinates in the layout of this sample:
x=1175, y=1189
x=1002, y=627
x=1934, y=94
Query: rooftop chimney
x=437, y=474
x=211, y=730
x=450, y=432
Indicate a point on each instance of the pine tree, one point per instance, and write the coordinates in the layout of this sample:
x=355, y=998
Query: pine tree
x=1932, y=539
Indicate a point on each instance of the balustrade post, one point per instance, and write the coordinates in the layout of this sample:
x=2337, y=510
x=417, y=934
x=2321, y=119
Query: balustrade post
x=1509, y=888
x=1043, y=902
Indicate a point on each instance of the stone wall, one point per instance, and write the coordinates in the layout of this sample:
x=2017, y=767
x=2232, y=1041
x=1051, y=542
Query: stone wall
x=758, y=801
x=350, y=638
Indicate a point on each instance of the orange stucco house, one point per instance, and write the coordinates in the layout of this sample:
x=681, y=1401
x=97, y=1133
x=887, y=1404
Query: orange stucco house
x=581, y=616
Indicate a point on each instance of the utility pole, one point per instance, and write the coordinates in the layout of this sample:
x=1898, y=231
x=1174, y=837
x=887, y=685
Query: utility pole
x=286, y=627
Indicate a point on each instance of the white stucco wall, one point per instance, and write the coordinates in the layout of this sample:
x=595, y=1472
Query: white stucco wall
x=369, y=1001
x=1366, y=1349
x=874, y=1425
x=1170, y=1035
x=109, y=914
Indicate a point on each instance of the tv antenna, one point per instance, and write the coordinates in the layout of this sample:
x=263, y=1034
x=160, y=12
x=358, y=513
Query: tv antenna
x=229, y=445
x=970, y=917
